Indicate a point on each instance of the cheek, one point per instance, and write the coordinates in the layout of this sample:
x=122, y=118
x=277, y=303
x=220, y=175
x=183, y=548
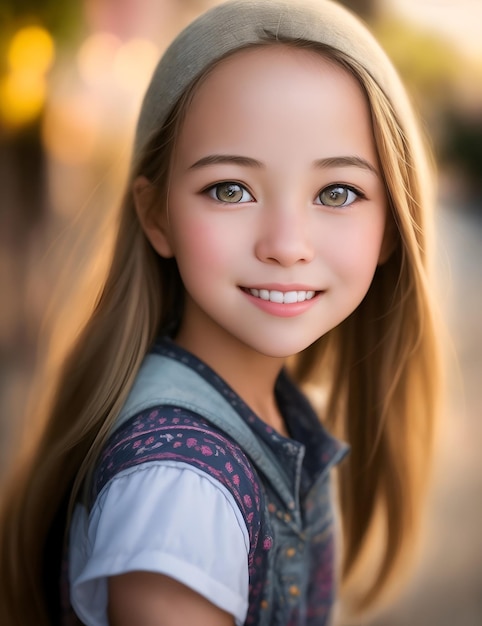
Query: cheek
x=354, y=251
x=199, y=246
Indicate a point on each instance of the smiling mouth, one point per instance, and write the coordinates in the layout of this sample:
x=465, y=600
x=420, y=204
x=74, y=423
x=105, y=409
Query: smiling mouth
x=281, y=297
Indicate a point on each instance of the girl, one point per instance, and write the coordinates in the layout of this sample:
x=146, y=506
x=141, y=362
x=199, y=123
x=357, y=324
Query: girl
x=273, y=236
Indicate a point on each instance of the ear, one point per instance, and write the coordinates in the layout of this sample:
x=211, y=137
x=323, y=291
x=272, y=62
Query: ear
x=155, y=223
x=390, y=240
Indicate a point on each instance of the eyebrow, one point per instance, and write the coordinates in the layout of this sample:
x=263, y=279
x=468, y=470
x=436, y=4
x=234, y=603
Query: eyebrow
x=213, y=159
x=325, y=163
x=346, y=161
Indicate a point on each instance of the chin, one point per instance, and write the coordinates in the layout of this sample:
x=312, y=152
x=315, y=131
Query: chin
x=281, y=350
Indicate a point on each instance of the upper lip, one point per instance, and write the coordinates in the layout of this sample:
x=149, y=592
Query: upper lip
x=283, y=288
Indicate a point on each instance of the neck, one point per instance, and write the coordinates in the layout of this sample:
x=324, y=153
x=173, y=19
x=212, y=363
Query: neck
x=251, y=374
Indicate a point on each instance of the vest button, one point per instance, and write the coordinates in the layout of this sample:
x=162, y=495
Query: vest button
x=290, y=552
x=294, y=590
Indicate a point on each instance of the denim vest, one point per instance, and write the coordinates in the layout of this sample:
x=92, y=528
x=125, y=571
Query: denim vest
x=291, y=529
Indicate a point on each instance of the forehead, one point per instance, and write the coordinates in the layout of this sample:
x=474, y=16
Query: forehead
x=281, y=94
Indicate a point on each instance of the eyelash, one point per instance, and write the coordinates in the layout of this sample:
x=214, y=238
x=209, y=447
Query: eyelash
x=359, y=195
x=212, y=190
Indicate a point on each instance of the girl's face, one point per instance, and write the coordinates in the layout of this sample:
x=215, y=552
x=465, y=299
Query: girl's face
x=277, y=210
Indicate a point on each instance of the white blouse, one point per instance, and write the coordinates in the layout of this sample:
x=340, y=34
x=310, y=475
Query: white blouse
x=166, y=517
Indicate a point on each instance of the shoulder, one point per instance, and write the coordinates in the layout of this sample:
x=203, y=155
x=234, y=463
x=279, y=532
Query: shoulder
x=170, y=434
x=140, y=493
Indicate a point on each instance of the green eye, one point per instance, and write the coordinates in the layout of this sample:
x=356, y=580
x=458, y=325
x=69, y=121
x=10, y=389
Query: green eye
x=229, y=192
x=338, y=196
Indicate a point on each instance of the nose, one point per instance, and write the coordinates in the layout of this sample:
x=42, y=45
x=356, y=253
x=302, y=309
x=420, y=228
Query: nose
x=284, y=237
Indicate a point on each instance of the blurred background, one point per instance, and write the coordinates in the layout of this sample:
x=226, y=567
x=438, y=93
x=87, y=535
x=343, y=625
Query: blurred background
x=72, y=75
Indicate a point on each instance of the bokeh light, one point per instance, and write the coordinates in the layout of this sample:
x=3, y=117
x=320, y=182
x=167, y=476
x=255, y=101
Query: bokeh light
x=32, y=48
x=134, y=63
x=71, y=129
x=96, y=57
x=23, y=88
x=22, y=97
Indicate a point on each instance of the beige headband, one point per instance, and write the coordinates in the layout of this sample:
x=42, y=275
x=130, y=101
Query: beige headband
x=238, y=23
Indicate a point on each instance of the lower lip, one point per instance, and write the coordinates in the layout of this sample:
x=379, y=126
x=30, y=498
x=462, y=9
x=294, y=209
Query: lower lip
x=283, y=310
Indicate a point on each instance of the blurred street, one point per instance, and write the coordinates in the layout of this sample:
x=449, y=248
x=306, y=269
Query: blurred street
x=447, y=587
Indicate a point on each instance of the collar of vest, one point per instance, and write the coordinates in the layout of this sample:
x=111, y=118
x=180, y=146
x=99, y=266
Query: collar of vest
x=164, y=381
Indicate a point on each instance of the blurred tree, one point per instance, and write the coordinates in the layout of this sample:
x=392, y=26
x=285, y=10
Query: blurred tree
x=446, y=89
x=22, y=103
x=427, y=63
x=462, y=148
x=26, y=27
x=60, y=18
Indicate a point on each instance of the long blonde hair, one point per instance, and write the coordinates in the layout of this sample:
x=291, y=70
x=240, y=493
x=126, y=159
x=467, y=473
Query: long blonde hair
x=379, y=370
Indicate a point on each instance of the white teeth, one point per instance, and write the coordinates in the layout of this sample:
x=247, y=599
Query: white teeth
x=280, y=297
x=290, y=296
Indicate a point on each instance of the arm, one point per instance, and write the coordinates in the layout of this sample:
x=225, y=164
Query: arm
x=129, y=530
x=147, y=599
